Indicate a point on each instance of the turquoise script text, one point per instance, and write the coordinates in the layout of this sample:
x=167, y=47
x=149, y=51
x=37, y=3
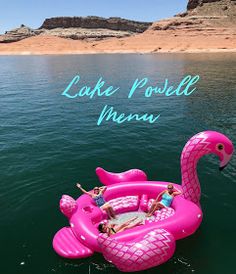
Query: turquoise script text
x=183, y=88
x=108, y=113
x=88, y=91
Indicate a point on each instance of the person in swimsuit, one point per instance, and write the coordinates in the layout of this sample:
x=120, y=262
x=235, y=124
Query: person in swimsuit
x=98, y=198
x=111, y=229
x=167, y=197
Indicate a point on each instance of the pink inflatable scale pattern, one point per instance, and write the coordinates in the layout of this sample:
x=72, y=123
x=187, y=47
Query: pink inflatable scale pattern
x=152, y=243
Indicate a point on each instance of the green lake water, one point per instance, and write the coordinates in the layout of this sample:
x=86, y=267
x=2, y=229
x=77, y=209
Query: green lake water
x=49, y=142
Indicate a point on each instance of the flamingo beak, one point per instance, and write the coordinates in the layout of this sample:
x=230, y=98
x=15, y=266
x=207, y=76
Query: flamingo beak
x=224, y=161
x=222, y=167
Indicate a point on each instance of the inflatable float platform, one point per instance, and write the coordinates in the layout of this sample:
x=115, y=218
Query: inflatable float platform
x=152, y=243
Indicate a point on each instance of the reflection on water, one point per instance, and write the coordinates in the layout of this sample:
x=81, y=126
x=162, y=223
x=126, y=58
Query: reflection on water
x=48, y=143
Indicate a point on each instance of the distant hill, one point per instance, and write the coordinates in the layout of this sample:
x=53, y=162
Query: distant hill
x=79, y=28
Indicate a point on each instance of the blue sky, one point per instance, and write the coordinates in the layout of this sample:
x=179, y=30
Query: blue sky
x=32, y=13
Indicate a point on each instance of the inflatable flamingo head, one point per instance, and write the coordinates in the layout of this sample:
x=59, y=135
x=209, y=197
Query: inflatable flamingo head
x=218, y=144
x=68, y=205
x=203, y=143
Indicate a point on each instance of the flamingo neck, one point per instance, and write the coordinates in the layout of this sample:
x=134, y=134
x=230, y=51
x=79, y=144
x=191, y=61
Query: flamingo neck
x=190, y=183
x=195, y=148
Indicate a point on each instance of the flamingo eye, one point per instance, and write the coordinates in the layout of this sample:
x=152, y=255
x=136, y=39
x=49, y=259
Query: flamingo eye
x=220, y=147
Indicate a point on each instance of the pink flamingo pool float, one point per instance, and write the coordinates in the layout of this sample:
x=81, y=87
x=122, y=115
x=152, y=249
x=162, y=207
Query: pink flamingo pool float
x=152, y=243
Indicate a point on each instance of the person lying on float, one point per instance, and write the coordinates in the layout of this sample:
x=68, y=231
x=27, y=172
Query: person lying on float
x=110, y=229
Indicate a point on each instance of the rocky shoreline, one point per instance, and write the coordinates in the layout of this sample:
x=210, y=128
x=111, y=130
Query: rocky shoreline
x=206, y=26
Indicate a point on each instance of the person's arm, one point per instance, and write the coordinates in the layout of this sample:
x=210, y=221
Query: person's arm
x=102, y=189
x=83, y=190
x=128, y=226
x=120, y=229
x=160, y=194
x=175, y=193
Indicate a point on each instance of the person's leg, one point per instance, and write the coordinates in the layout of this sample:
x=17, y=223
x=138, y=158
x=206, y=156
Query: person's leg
x=129, y=226
x=130, y=220
x=112, y=212
x=135, y=224
x=104, y=207
x=160, y=206
x=127, y=223
x=157, y=207
x=109, y=210
x=152, y=209
x=124, y=225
